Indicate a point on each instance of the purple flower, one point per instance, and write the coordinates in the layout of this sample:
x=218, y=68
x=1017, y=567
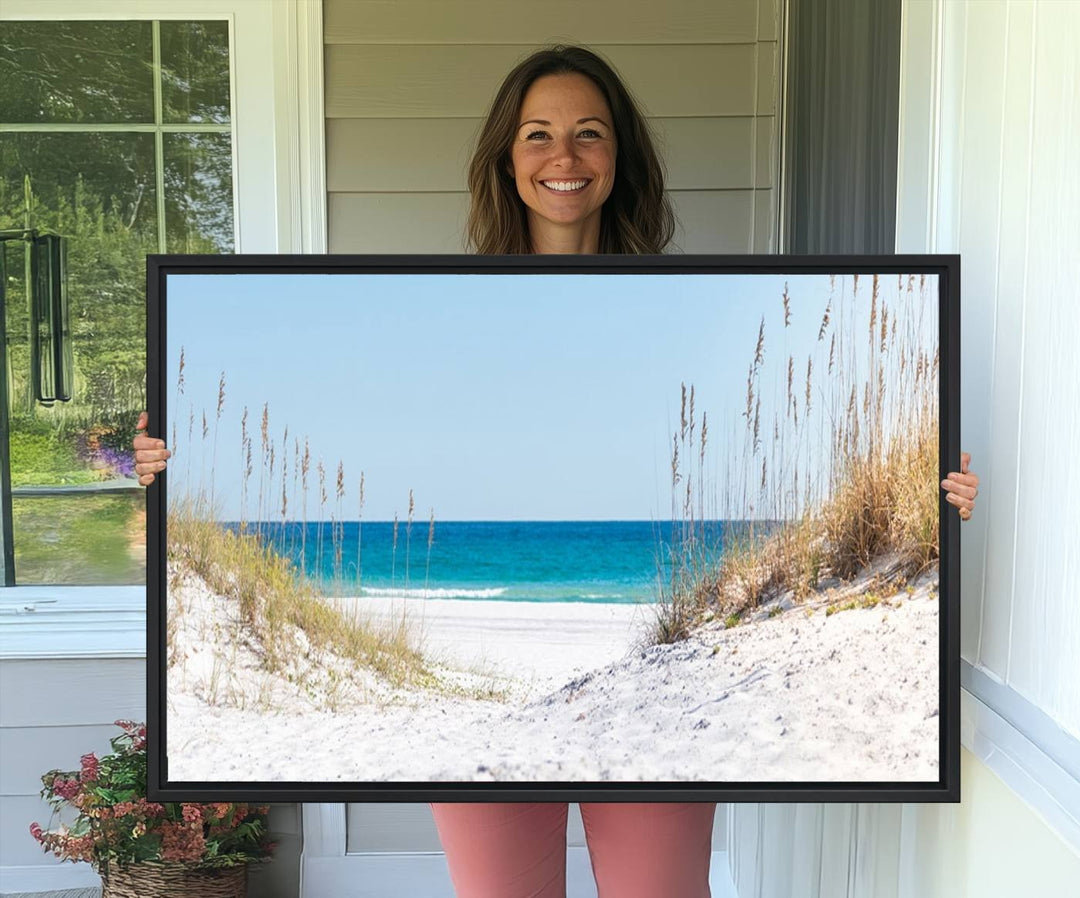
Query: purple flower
x=120, y=462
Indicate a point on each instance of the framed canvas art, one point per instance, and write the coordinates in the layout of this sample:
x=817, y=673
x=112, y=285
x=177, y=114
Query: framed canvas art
x=587, y=528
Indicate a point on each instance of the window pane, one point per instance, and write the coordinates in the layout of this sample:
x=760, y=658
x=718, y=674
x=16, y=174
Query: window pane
x=76, y=72
x=198, y=193
x=98, y=190
x=82, y=540
x=195, y=72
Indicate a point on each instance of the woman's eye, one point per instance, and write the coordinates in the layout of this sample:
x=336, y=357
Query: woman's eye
x=588, y=131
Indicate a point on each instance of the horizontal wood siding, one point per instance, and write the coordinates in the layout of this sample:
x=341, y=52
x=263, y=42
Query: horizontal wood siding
x=408, y=84
x=476, y=22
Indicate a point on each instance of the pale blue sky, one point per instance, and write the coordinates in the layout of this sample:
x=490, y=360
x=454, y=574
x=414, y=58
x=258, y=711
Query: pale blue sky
x=526, y=396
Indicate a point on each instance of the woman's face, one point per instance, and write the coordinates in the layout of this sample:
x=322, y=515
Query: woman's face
x=565, y=136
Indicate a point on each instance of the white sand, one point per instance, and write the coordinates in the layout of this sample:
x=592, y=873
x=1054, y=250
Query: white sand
x=800, y=696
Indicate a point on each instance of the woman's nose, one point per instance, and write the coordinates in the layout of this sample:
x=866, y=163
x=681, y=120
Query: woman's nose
x=564, y=148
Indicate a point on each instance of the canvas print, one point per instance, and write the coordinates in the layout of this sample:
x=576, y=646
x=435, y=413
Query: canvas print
x=552, y=528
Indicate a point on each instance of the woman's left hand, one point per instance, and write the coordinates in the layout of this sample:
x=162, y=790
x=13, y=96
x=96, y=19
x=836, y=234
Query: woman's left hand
x=962, y=487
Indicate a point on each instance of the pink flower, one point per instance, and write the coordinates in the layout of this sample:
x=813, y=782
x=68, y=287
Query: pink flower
x=192, y=813
x=35, y=831
x=181, y=841
x=221, y=808
x=89, y=768
x=66, y=789
x=150, y=808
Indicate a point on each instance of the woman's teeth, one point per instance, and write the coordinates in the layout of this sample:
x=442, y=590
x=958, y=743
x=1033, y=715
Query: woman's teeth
x=564, y=186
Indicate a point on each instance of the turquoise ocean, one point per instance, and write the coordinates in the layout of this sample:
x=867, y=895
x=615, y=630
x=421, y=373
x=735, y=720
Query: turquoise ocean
x=518, y=561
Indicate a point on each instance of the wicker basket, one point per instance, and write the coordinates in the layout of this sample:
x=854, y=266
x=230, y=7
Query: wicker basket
x=172, y=880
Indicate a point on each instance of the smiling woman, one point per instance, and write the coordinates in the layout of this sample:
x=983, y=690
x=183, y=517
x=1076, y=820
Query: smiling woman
x=560, y=117
x=564, y=165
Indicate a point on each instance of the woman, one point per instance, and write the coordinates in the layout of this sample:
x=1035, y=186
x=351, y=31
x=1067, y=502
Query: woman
x=565, y=164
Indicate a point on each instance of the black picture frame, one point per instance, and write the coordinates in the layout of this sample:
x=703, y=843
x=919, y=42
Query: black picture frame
x=947, y=789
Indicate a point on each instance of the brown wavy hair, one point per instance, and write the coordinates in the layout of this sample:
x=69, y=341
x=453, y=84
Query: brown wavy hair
x=636, y=217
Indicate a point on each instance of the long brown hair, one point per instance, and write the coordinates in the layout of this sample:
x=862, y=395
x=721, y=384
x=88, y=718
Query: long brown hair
x=637, y=216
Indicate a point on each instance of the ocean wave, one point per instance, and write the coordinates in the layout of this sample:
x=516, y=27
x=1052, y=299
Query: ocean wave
x=603, y=595
x=450, y=593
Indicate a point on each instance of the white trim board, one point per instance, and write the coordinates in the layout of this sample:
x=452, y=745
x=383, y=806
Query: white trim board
x=1025, y=767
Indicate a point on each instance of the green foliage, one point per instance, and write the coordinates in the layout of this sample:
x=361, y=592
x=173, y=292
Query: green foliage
x=40, y=458
x=116, y=824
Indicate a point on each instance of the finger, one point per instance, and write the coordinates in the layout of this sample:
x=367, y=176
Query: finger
x=147, y=443
x=146, y=479
x=149, y=467
x=965, y=460
x=965, y=479
x=965, y=514
x=144, y=419
x=968, y=492
x=144, y=455
x=959, y=501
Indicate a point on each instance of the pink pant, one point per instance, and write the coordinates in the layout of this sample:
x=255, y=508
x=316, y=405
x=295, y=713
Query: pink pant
x=508, y=850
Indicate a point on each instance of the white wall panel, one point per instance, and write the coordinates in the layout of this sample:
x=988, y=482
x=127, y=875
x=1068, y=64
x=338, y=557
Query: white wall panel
x=988, y=168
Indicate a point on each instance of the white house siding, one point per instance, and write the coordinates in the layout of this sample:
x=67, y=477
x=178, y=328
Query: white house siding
x=988, y=168
x=407, y=86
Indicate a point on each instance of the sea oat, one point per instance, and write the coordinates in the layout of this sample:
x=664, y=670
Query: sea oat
x=408, y=536
x=790, y=376
x=749, y=395
x=757, y=422
x=682, y=413
x=430, y=542
x=393, y=556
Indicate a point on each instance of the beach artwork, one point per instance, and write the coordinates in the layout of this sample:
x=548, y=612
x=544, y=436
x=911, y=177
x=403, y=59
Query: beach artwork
x=552, y=528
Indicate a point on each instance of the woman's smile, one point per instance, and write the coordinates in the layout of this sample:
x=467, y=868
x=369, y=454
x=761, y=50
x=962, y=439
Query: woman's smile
x=567, y=187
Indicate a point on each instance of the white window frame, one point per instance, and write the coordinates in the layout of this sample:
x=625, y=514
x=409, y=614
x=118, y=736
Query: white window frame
x=276, y=91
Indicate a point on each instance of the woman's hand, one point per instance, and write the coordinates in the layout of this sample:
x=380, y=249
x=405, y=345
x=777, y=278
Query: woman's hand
x=150, y=453
x=962, y=487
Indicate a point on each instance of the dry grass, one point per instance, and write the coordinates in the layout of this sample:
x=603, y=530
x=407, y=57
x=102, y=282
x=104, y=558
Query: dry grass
x=273, y=600
x=277, y=599
x=806, y=524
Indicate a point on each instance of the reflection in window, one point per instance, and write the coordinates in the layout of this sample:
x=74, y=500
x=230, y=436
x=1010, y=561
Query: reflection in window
x=117, y=136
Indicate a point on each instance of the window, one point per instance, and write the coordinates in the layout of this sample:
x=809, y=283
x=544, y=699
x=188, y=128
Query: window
x=116, y=135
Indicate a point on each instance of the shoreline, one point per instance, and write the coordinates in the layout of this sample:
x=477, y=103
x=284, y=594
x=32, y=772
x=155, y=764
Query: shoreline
x=542, y=643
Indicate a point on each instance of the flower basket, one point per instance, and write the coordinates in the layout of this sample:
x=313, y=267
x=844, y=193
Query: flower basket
x=174, y=880
x=143, y=848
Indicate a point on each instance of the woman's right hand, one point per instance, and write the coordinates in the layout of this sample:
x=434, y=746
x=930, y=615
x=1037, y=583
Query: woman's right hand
x=150, y=453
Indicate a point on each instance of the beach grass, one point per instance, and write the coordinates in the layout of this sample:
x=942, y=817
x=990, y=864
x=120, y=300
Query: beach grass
x=803, y=528
x=275, y=600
